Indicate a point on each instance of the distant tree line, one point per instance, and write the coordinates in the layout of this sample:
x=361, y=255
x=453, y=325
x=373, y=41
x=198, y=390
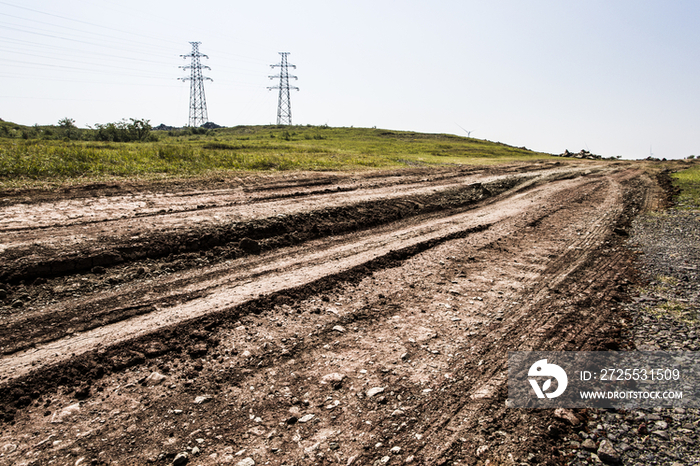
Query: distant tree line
x=122, y=131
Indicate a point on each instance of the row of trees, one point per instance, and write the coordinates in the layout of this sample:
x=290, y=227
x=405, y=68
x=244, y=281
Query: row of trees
x=121, y=131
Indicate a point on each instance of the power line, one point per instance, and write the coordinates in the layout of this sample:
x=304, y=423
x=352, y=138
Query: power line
x=284, y=104
x=198, y=103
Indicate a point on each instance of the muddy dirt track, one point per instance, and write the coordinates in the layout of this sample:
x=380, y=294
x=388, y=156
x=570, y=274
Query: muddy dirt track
x=308, y=318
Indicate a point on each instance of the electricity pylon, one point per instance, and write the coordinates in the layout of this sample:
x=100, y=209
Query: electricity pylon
x=284, y=104
x=198, y=104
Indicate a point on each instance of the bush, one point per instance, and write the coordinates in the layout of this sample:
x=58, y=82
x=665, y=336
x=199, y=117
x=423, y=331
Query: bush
x=123, y=131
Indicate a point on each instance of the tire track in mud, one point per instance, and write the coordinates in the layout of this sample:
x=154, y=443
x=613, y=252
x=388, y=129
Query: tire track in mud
x=545, y=325
x=79, y=248
x=393, y=305
x=78, y=316
x=287, y=268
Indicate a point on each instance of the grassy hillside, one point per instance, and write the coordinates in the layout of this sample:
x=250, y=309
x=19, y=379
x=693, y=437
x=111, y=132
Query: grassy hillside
x=689, y=183
x=182, y=153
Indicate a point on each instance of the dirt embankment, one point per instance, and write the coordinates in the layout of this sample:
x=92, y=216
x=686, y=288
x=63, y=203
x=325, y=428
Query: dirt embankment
x=366, y=321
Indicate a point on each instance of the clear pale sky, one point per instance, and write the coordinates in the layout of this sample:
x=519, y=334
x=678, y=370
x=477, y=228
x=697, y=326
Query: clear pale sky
x=614, y=77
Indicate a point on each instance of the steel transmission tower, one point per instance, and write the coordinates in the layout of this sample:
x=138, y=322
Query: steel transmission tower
x=198, y=104
x=284, y=104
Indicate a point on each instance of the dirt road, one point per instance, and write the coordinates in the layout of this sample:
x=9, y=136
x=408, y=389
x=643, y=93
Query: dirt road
x=306, y=319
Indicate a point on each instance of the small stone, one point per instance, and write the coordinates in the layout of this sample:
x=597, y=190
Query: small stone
x=9, y=448
x=607, y=453
x=306, y=418
x=374, y=391
x=567, y=415
x=661, y=425
x=588, y=444
x=395, y=450
x=68, y=411
x=409, y=459
x=196, y=450
x=202, y=399
x=334, y=379
x=339, y=328
x=181, y=459
x=17, y=303
x=155, y=379
x=246, y=462
x=398, y=412
x=662, y=434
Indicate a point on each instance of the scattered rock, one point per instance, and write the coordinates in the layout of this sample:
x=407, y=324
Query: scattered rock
x=589, y=445
x=9, y=448
x=607, y=453
x=155, y=379
x=181, y=459
x=481, y=450
x=246, y=462
x=306, y=418
x=60, y=416
x=198, y=350
x=202, y=399
x=334, y=379
x=339, y=328
x=567, y=415
x=155, y=349
x=374, y=391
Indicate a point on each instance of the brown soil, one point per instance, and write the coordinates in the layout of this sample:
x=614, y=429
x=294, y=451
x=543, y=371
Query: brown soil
x=306, y=319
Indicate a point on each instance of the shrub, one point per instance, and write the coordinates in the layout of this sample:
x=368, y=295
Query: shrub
x=123, y=131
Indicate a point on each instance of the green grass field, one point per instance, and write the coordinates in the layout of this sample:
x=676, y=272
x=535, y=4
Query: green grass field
x=177, y=154
x=689, y=183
